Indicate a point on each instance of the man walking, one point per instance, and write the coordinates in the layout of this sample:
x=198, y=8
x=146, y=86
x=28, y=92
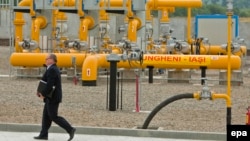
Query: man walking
x=50, y=112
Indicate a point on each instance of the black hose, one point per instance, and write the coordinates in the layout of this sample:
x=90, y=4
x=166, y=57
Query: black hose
x=163, y=104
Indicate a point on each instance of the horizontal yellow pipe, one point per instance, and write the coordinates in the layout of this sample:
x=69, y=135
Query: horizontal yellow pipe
x=223, y=96
x=38, y=59
x=217, y=49
x=154, y=60
x=111, y=3
x=196, y=96
x=63, y=3
x=155, y=4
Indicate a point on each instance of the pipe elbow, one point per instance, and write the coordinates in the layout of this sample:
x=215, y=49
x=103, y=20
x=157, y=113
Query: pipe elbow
x=41, y=21
x=24, y=3
x=89, y=22
x=89, y=68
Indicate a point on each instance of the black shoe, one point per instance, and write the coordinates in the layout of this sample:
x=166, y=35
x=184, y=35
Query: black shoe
x=41, y=138
x=71, y=134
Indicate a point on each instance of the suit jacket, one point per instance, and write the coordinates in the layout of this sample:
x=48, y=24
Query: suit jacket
x=53, y=78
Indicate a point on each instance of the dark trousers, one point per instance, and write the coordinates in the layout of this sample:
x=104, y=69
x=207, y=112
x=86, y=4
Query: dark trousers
x=50, y=112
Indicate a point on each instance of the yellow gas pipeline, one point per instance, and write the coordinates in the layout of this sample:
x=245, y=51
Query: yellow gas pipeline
x=19, y=22
x=38, y=59
x=155, y=60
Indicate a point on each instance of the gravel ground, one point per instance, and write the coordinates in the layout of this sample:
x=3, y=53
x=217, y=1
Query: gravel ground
x=86, y=106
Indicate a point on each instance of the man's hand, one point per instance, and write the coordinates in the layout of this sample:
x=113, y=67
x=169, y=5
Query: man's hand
x=40, y=95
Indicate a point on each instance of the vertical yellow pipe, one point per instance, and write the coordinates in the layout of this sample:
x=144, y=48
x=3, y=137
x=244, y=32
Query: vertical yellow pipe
x=229, y=54
x=189, y=25
x=37, y=24
x=80, y=11
x=102, y=13
x=19, y=22
x=133, y=26
x=148, y=13
x=32, y=12
x=85, y=24
x=54, y=18
x=130, y=13
x=164, y=15
x=90, y=67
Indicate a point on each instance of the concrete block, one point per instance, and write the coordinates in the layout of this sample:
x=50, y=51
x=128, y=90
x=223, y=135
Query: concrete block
x=179, y=75
x=236, y=77
x=28, y=72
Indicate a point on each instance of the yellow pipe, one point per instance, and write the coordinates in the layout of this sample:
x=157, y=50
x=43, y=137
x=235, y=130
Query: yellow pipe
x=38, y=59
x=154, y=60
x=111, y=3
x=61, y=16
x=155, y=4
x=197, y=96
x=217, y=49
x=130, y=13
x=38, y=23
x=133, y=25
x=54, y=18
x=32, y=12
x=223, y=96
x=189, y=26
x=229, y=24
x=63, y=3
x=90, y=68
x=148, y=13
x=80, y=11
x=164, y=15
x=103, y=16
x=19, y=22
x=86, y=24
x=243, y=50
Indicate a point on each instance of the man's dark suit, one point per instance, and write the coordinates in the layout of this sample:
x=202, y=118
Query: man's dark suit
x=50, y=112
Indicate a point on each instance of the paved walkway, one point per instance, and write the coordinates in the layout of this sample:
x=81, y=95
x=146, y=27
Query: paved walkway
x=28, y=136
x=26, y=132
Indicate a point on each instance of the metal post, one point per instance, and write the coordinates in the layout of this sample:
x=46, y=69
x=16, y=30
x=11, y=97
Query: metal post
x=121, y=87
x=150, y=74
x=112, y=86
x=107, y=98
x=118, y=85
x=203, y=75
